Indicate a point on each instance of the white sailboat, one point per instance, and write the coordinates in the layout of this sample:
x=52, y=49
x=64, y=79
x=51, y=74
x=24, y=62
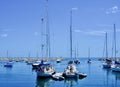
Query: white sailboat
x=71, y=70
x=45, y=69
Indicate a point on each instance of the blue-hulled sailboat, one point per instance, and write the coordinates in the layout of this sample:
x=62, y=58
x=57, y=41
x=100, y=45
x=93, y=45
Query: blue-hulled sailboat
x=108, y=62
x=116, y=67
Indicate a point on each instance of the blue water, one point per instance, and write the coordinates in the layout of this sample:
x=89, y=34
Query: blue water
x=22, y=75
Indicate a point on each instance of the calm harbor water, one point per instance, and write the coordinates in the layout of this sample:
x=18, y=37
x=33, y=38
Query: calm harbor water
x=22, y=75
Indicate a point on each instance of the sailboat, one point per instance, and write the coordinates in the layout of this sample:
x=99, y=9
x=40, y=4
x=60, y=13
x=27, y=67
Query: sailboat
x=76, y=61
x=71, y=70
x=9, y=63
x=45, y=69
x=89, y=60
x=116, y=67
x=108, y=62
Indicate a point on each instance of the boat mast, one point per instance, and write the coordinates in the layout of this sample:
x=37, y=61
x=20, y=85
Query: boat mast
x=29, y=54
x=106, y=45
x=75, y=52
x=71, y=33
x=88, y=53
x=7, y=53
x=47, y=33
x=42, y=44
x=115, y=40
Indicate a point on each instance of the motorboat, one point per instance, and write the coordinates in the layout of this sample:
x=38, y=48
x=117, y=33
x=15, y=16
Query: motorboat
x=82, y=75
x=58, y=60
x=71, y=71
x=35, y=64
x=58, y=77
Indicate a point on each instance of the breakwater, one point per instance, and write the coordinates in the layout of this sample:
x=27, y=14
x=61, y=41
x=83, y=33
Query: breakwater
x=29, y=59
x=113, y=59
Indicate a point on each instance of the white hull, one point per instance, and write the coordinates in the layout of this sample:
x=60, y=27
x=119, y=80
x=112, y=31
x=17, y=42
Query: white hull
x=42, y=74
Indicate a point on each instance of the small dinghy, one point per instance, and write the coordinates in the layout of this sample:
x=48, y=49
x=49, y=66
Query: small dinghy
x=36, y=64
x=82, y=75
x=58, y=77
x=58, y=60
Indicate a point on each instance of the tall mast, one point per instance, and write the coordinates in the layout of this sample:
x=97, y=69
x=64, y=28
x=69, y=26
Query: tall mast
x=115, y=40
x=71, y=33
x=42, y=44
x=47, y=32
x=75, y=52
x=106, y=45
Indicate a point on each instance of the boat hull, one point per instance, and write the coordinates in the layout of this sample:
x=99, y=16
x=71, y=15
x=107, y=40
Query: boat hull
x=44, y=75
x=116, y=69
x=70, y=75
x=82, y=75
x=7, y=65
x=106, y=66
x=34, y=66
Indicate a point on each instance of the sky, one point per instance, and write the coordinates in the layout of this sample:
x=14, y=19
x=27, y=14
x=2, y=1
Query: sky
x=21, y=27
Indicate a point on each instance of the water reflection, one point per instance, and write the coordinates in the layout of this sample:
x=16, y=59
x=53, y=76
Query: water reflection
x=42, y=82
x=89, y=68
x=117, y=78
x=117, y=75
x=107, y=73
x=70, y=81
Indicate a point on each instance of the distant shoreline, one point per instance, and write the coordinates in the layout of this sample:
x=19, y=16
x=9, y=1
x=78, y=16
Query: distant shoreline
x=29, y=59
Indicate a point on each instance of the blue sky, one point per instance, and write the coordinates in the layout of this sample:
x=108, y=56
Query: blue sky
x=20, y=26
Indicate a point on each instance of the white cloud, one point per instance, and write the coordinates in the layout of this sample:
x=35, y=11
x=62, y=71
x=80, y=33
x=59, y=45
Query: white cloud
x=4, y=35
x=77, y=31
x=113, y=10
x=75, y=8
x=96, y=33
x=36, y=33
